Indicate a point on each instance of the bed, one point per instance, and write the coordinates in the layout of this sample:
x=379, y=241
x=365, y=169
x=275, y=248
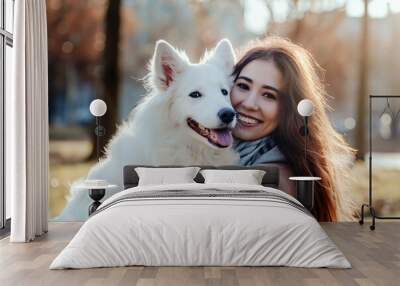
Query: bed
x=199, y=224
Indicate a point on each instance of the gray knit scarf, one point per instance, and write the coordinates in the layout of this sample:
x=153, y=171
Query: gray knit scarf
x=260, y=151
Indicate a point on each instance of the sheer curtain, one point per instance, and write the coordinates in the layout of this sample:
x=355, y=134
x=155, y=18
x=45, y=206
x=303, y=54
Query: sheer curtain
x=27, y=124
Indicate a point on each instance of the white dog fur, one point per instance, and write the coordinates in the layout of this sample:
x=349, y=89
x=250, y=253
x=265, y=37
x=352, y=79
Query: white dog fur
x=157, y=132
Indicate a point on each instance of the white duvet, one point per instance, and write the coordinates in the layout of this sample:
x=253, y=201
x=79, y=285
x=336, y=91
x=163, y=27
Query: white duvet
x=182, y=231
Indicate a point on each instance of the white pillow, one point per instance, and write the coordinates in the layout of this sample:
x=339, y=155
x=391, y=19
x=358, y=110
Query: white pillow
x=162, y=176
x=248, y=177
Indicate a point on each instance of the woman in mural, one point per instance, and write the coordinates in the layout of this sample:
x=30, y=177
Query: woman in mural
x=270, y=79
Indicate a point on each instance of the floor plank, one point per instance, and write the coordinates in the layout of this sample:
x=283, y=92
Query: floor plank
x=374, y=255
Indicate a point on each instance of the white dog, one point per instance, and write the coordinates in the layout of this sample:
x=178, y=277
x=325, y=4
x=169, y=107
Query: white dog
x=185, y=119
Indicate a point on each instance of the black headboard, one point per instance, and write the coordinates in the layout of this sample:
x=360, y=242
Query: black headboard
x=271, y=177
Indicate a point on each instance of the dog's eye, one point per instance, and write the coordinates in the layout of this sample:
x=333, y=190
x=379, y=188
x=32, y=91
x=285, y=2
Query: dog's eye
x=224, y=91
x=195, y=94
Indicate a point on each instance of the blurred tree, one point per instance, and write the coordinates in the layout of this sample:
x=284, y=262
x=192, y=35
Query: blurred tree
x=362, y=97
x=318, y=32
x=75, y=43
x=75, y=34
x=76, y=47
x=111, y=71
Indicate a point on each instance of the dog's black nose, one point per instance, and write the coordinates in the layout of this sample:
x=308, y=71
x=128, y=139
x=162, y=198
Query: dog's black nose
x=226, y=115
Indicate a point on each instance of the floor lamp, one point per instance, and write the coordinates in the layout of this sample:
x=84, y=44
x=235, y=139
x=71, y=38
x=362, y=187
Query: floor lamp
x=305, y=186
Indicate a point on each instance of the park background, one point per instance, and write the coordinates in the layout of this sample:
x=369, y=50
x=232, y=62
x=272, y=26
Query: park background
x=100, y=49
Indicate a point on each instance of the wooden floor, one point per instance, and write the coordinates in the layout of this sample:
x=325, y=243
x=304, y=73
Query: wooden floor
x=374, y=255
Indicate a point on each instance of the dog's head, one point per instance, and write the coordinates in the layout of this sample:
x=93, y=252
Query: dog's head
x=197, y=94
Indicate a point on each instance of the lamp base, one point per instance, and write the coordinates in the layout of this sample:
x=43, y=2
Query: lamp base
x=96, y=195
x=305, y=193
x=305, y=190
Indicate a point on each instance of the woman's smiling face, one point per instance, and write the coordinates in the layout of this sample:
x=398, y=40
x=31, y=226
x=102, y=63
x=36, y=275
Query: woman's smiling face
x=255, y=97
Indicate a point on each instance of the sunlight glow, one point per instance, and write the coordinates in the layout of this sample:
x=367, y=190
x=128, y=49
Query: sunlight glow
x=355, y=8
x=281, y=10
x=378, y=9
x=257, y=15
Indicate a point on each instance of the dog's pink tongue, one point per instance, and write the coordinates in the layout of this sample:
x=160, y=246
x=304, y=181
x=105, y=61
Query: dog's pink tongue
x=224, y=137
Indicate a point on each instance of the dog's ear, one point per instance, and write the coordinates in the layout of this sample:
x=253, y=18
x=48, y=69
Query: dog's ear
x=166, y=64
x=223, y=56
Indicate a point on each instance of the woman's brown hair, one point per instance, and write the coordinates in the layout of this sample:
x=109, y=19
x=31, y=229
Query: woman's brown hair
x=328, y=155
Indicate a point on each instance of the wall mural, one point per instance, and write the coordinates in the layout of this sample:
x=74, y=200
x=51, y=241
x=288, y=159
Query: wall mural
x=209, y=94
